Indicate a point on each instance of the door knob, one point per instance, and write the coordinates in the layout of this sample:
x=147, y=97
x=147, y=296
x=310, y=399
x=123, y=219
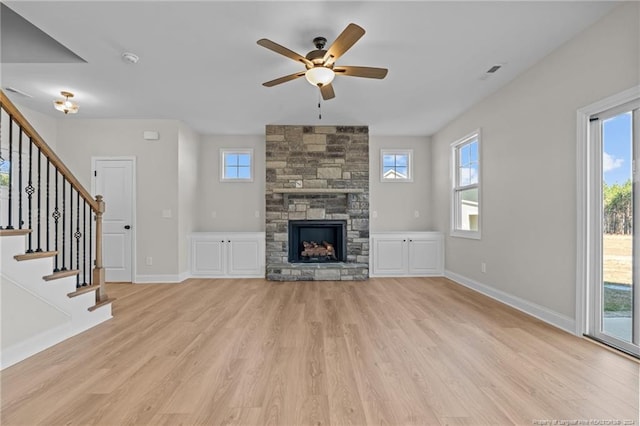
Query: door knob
x=127, y=227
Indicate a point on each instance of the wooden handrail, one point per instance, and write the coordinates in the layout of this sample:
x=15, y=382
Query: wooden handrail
x=97, y=205
x=11, y=109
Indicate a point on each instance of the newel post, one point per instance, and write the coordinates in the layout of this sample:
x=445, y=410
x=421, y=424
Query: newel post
x=98, y=270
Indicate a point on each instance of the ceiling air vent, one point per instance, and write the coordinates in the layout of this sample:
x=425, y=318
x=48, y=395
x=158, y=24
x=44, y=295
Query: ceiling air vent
x=18, y=92
x=493, y=69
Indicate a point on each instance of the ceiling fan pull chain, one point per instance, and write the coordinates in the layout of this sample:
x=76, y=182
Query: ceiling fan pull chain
x=319, y=109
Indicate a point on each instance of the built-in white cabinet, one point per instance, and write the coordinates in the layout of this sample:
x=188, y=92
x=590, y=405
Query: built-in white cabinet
x=227, y=254
x=413, y=254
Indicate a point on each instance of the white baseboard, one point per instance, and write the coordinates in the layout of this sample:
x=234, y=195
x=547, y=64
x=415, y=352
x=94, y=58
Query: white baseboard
x=184, y=276
x=158, y=279
x=563, y=322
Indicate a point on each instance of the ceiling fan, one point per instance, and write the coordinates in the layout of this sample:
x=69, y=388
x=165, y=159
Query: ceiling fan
x=319, y=63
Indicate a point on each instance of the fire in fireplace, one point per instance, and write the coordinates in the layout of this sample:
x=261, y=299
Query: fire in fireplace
x=317, y=241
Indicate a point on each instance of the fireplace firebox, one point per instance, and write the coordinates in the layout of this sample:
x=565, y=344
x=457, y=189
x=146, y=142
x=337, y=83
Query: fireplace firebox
x=317, y=241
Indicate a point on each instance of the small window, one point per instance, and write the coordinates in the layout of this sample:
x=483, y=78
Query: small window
x=396, y=165
x=5, y=167
x=236, y=165
x=465, y=195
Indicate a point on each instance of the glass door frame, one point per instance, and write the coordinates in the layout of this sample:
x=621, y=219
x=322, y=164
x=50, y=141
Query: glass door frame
x=590, y=214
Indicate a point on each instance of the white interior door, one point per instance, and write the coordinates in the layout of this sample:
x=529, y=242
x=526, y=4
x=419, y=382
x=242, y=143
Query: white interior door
x=113, y=179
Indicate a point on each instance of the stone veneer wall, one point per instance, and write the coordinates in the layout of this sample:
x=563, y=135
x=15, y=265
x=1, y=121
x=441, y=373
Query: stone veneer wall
x=322, y=157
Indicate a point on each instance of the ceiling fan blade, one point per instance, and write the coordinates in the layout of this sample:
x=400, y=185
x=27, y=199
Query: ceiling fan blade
x=284, y=51
x=327, y=92
x=283, y=79
x=342, y=43
x=367, y=72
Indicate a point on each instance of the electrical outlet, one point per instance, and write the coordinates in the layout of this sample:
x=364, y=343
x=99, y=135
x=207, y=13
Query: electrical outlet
x=257, y=214
x=416, y=213
x=149, y=260
x=374, y=214
x=483, y=267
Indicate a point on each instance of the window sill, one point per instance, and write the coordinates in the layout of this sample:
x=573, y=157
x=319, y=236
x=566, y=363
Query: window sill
x=471, y=235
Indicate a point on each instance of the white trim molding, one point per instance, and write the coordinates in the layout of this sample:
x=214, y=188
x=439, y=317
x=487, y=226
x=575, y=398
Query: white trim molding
x=455, y=188
x=397, y=177
x=553, y=318
x=160, y=279
x=588, y=171
x=236, y=151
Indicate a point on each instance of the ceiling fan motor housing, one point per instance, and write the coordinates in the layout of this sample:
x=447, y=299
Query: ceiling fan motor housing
x=317, y=58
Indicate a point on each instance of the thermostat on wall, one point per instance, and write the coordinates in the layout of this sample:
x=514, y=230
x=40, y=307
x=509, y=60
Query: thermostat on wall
x=151, y=136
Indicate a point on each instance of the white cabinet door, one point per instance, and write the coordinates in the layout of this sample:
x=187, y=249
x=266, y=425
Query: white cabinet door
x=389, y=256
x=424, y=257
x=243, y=257
x=208, y=257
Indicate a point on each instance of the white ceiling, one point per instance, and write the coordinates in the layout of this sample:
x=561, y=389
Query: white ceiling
x=199, y=61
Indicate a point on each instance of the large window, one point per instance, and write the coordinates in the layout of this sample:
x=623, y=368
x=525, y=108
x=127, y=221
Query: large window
x=396, y=165
x=465, y=195
x=236, y=165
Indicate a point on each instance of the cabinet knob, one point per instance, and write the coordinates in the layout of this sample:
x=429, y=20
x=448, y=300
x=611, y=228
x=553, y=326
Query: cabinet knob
x=410, y=241
x=404, y=241
x=228, y=241
x=222, y=241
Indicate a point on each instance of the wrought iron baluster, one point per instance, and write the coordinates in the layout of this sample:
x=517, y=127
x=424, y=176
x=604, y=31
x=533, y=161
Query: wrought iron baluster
x=84, y=243
x=10, y=200
x=56, y=218
x=20, y=180
x=91, y=247
x=29, y=189
x=47, y=204
x=39, y=220
x=77, y=236
x=64, y=221
x=70, y=226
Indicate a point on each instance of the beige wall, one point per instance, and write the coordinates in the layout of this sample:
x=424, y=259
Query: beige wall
x=235, y=203
x=529, y=167
x=156, y=180
x=396, y=202
x=46, y=126
x=188, y=151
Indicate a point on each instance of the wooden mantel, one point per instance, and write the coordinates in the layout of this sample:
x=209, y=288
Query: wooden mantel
x=314, y=191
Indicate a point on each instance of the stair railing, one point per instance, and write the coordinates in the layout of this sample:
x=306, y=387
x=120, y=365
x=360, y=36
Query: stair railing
x=39, y=193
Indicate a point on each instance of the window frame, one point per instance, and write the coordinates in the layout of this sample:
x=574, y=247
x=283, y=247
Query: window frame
x=238, y=151
x=408, y=153
x=456, y=188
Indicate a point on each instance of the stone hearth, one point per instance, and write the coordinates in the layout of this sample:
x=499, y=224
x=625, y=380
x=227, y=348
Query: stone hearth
x=317, y=172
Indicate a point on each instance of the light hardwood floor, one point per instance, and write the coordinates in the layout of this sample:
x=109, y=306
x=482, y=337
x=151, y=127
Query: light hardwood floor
x=383, y=351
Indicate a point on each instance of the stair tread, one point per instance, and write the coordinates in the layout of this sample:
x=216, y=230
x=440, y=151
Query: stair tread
x=8, y=232
x=101, y=303
x=61, y=274
x=35, y=255
x=83, y=290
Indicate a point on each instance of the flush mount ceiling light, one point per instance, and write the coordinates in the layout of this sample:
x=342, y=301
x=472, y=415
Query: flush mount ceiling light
x=65, y=105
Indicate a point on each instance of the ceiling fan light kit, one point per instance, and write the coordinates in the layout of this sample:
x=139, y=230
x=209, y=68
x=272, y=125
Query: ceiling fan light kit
x=65, y=105
x=319, y=63
x=319, y=76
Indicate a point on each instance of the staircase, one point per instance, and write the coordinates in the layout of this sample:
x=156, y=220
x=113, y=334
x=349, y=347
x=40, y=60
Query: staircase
x=51, y=274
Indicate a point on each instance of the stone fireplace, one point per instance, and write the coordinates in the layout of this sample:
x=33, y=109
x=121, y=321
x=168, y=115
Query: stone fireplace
x=317, y=203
